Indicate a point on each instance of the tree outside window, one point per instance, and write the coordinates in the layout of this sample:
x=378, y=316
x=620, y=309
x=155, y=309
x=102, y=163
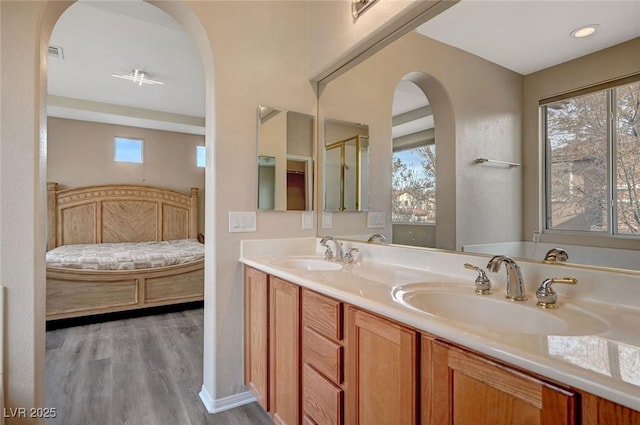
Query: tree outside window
x=414, y=186
x=588, y=159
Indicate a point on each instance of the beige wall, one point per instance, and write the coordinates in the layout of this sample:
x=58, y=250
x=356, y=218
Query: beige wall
x=477, y=108
x=80, y=153
x=605, y=65
x=22, y=198
x=337, y=38
x=253, y=53
x=260, y=59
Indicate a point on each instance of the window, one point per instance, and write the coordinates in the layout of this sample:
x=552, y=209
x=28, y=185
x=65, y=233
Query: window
x=127, y=150
x=414, y=185
x=593, y=162
x=201, y=158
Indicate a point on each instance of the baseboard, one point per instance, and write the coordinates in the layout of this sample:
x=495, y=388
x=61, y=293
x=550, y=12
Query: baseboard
x=225, y=403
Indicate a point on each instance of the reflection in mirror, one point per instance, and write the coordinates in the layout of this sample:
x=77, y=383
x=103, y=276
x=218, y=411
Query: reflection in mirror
x=486, y=99
x=266, y=182
x=285, y=160
x=413, y=213
x=346, y=166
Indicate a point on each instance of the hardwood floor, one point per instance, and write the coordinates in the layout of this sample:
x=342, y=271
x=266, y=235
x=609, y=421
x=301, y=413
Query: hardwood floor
x=140, y=371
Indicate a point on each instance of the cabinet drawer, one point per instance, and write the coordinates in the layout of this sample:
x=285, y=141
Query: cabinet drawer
x=321, y=400
x=323, y=354
x=322, y=314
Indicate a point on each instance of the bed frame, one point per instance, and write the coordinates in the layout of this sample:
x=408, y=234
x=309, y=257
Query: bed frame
x=120, y=213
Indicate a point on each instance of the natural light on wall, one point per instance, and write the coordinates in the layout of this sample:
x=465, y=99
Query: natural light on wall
x=127, y=150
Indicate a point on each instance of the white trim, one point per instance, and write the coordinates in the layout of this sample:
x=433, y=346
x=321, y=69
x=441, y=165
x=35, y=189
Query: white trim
x=225, y=403
x=116, y=119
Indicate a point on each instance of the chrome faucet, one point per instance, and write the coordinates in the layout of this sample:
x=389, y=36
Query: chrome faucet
x=556, y=255
x=328, y=254
x=377, y=238
x=547, y=297
x=515, y=282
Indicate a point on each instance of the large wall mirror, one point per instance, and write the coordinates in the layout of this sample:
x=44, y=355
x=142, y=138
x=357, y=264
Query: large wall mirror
x=285, y=160
x=346, y=166
x=484, y=119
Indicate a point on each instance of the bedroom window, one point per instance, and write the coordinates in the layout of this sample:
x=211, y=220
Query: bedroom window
x=127, y=150
x=592, y=144
x=201, y=159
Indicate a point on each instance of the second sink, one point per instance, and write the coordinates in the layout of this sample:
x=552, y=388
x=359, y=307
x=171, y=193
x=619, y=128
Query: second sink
x=494, y=313
x=309, y=264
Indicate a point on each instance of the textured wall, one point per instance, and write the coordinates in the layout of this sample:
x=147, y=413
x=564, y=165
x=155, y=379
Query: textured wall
x=80, y=153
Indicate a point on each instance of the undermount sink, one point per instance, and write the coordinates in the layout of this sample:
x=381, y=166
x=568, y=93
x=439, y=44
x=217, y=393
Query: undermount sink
x=495, y=313
x=309, y=264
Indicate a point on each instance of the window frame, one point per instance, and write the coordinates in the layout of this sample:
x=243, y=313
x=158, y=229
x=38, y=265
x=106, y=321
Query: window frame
x=134, y=139
x=612, y=231
x=203, y=149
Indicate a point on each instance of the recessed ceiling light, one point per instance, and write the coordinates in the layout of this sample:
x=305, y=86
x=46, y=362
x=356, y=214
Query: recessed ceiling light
x=585, y=31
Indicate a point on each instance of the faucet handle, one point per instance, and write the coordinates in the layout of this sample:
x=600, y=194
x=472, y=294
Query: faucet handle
x=349, y=257
x=377, y=238
x=547, y=297
x=556, y=255
x=483, y=284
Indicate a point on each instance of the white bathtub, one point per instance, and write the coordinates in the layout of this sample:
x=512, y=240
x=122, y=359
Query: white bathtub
x=594, y=256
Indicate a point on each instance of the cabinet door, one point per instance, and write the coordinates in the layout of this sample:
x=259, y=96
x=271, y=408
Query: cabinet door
x=256, y=334
x=381, y=371
x=284, y=352
x=598, y=411
x=465, y=388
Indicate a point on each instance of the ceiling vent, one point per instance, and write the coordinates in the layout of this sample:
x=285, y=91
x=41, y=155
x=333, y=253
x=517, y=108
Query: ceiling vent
x=56, y=52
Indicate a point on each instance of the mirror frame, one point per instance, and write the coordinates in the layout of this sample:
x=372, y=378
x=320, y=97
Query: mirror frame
x=345, y=67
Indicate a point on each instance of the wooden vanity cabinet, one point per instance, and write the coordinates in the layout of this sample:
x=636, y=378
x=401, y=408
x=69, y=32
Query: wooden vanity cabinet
x=313, y=360
x=256, y=334
x=381, y=370
x=598, y=411
x=461, y=388
x=322, y=360
x=284, y=352
x=272, y=344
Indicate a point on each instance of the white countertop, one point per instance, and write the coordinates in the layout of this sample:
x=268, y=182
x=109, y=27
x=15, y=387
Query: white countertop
x=605, y=362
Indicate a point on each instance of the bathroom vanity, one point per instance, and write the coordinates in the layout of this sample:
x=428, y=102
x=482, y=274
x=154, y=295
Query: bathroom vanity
x=360, y=344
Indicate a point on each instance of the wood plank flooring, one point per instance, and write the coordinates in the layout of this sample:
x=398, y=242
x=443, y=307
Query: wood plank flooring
x=139, y=371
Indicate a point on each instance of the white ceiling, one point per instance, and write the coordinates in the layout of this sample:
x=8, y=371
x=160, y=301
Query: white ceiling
x=527, y=36
x=409, y=97
x=523, y=36
x=104, y=37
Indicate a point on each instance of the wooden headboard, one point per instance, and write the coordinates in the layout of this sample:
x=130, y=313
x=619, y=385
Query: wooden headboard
x=119, y=213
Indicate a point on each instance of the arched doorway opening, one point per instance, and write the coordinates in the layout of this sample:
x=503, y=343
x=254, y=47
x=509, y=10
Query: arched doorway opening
x=50, y=13
x=413, y=212
x=423, y=119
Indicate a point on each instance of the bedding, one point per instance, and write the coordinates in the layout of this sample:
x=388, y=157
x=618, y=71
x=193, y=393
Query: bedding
x=125, y=255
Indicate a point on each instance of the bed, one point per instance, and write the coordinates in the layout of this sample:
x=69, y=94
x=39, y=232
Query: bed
x=144, y=229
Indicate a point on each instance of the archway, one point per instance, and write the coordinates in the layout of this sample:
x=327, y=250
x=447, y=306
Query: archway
x=414, y=185
x=50, y=13
x=444, y=135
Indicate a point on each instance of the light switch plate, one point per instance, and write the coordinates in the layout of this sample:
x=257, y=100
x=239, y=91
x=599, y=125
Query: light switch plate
x=242, y=221
x=307, y=220
x=375, y=220
x=327, y=219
